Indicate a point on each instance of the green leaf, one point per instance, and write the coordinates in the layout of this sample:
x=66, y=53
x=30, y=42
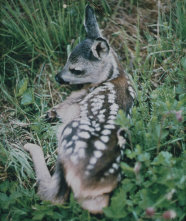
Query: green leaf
x=163, y=158
x=183, y=63
x=4, y=186
x=4, y=197
x=127, y=169
x=38, y=216
x=27, y=98
x=144, y=157
x=5, y=201
x=128, y=184
x=157, y=130
x=22, y=87
x=164, y=134
x=19, y=211
x=117, y=207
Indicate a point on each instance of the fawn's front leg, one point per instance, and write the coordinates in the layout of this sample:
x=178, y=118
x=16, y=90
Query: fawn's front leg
x=62, y=109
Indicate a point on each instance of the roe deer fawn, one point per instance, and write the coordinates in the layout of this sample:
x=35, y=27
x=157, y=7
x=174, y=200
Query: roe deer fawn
x=89, y=142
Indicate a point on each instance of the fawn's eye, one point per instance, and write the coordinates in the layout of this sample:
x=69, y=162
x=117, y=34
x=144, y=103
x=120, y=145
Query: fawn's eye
x=76, y=72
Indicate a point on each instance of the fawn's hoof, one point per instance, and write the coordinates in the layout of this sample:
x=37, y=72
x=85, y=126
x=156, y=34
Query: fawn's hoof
x=51, y=114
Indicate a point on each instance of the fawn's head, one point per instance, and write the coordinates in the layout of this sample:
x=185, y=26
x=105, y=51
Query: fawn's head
x=92, y=60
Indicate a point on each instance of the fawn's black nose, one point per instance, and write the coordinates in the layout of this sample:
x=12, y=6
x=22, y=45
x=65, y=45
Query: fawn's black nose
x=59, y=79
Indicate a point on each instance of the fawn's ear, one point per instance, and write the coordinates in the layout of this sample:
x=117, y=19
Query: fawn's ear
x=91, y=25
x=100, y=48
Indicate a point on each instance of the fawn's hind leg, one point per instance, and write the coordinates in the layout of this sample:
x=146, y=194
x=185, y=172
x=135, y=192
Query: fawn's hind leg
x=53, y=188
x=96, y=204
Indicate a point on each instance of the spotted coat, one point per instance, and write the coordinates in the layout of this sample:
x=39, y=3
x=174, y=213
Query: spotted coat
x=89, y=143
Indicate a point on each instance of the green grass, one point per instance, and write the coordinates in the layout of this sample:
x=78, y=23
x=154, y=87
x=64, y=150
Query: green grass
x=36, y=37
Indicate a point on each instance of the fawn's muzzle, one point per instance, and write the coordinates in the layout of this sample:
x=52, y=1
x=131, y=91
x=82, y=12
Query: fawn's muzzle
x=59, y=79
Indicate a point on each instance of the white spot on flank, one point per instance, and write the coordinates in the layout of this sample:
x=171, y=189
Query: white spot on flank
x=111, y=170
x=90, y=167
x=101, y=118
x=114, y=112
x=95, y=112
x=102, y=89
x=109, y=126
x=74, y=137
x=110, y=122
x=98, y=154
x=93, y=123
x=86, y=127
x=97, y=105
x=99, y=145
x=101, y=96
x=121, y=139
x=132, y=95
x=67, y=131
x=93, y=160
x=85, y=121
x=84, y=134
x=128, y=82
x=132, y=92
x=114, y=107
x=112, y=95
x=105, y=139
x=94, y=100
x=75, y=124
x=111, y=98
x=79, y=145
x=106, y=132
x=102, y=111
x=97, y=125
x=98, y=128
x=118, y=159
x=112, y=117
x=115, y=166
x=131, y=89
x=109, y=85
x=69, y=144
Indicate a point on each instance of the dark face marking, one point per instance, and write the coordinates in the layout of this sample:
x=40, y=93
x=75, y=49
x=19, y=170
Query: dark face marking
x=83, y=50
x=111, y=72
x=76, y=72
